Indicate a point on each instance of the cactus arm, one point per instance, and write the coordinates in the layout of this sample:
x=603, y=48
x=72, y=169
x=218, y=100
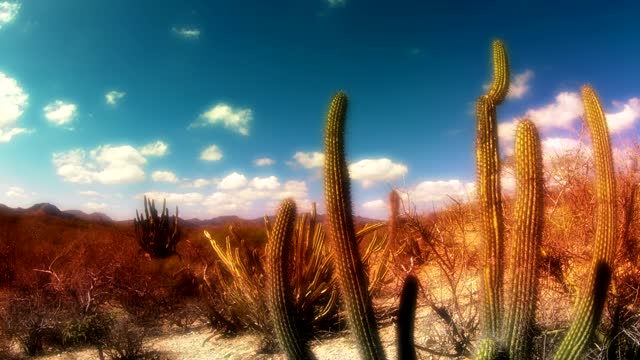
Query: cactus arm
x=492, y=228
x=526, y=245
x=279, y=290
x=406, y=318
x=590, y=305
x=500, y=85
x=351, y=277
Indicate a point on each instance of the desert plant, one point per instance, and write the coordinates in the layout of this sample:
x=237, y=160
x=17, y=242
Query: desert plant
x=157, y=235
x=126, y=342
x=513, y=338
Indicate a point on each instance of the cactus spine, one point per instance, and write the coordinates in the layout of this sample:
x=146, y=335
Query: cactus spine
x=351, y=277
x=591, y=302
x=280, y=305
x=526, y=245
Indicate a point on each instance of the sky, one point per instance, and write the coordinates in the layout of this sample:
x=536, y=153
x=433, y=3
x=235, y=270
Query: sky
x=219, y=106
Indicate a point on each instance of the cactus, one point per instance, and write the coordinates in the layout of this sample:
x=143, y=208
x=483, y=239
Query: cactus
x=157, y=235
x=590, y=304
x=351, y=277
x=526, y=245
x=279, y=291
x=488, y=165
x=406, y=316
x=501, y=75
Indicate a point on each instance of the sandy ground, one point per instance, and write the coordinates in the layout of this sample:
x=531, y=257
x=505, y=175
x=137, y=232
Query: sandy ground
x=204, y=344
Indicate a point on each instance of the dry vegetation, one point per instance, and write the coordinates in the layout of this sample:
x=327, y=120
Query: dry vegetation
x=67, y=283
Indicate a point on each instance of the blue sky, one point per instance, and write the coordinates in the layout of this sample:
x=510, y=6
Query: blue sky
x=219, y=105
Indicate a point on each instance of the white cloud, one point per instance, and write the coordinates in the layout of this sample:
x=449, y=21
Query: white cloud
x=112, y=97
x=374, y=205
x=8, y=12
x=625, y=118
x=234, y=119
x=369, y=171
x=157, y=148
x=265, y=183
x=13, y=101
x=263, y=162
x=197, y=183
x=188, y=32
x=233, y=181
x=106, y=164
x=561, y=114
x=309, y=159
x=15, y=192
x=437, y=192
x=95, y=206
x=60, y=113
x=174, y=199
x=520, y=85
x=334, y=3
x=164, y=176
x=558, y=146
x=92, y=193
x=212, y=153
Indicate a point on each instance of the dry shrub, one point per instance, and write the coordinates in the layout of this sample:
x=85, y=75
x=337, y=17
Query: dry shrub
x=237, y=291
x=126, y=342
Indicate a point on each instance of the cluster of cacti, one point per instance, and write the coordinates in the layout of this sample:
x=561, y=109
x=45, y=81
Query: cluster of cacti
x=506, y=333
x=157, y=235
x=511, y=336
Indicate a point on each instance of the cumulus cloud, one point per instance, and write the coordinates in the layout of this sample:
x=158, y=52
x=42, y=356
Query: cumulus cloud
x=113, y=96
x=16, y=192
x=157, y=148
x=439, y=191
x=212, y=153
x=187, y=32
x=263, y=162
x=8, y=12
x=265, y=183
x=235, y=119
x=374, y=205
x=106, y=164
x=164, y=176
x=369, y=171
x=60, y=113
x=625, y=118
x=233, y=181
x=13, y=101
x=309, y=160
x=175, y=199
x=520, y=85
x=197, y=183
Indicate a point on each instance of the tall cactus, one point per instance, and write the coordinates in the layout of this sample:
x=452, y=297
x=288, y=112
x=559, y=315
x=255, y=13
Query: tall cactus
x=492, y=228
x=501, y=74
x=157, y=235
x=489, y=192
x=279, y=290
x=590, y=304
x=352, y=280
x=526, y=245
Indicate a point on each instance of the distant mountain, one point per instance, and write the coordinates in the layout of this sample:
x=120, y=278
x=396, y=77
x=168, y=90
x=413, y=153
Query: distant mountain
x=94, y=216
x=46, y=209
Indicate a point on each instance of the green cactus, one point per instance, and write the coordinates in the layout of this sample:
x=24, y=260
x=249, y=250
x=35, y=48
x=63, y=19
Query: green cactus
x=590, y=304
x=501, y=74
x=526, y=245
x=492, y=228
x=279, y=290
x=157, y=235
x=351, y=276
x=406, y=318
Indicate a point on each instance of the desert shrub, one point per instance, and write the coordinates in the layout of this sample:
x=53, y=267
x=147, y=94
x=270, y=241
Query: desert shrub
x=89, y=330
x=236, y=292
x=126, y=342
